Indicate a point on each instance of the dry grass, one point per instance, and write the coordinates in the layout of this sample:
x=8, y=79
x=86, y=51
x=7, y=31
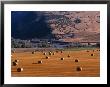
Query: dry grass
x=55, y=67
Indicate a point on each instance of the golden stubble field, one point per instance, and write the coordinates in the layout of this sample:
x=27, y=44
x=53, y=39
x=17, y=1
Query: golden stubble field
x=54, y=66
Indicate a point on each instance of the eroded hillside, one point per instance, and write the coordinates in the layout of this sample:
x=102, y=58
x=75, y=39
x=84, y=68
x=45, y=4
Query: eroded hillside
x=75, y=26
x=68, y=26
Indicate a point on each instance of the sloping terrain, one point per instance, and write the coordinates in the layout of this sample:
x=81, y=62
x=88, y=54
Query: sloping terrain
x=75, y=26
x=61, y=25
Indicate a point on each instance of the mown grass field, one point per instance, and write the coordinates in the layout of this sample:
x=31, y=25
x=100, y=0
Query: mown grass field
x=54, y=66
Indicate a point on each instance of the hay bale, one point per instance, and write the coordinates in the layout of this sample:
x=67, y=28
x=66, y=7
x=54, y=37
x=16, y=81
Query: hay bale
x=53, y=53
x=14, y=63
x=79, y=68
x=33, y=52
x=16, y=60
x=46, y=57
x=62, y=58
x=39, y=62
x=87, y=51
x=50, y=53
x=44, y=53
x=76, y=60
x=92, y=54
x=19, y=69
x=13, y=51
x=68, y=56
x=57, y=51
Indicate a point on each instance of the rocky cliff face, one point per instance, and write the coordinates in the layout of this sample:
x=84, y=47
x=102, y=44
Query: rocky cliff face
x=68, y=26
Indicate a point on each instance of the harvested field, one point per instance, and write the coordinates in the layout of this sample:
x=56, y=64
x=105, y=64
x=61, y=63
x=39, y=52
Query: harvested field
x=54, y=66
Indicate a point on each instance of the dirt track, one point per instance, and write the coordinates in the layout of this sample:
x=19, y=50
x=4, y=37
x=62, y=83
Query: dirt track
x=56, y=67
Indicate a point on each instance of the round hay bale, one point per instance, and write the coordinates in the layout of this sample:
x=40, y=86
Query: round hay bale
x=44, y=53
x=33, y=52
x=46, y=57
x=19, y=69
x=13, y=51
x=76, y=60
x=50, y=53
x=39, y=62
x=57, y=51
x=68, y=56
x=92, y=54
x=62, y=58
x=14, y=63
x=53, y=53
x=79, y=68
x=16, y=60
x=87, y=51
